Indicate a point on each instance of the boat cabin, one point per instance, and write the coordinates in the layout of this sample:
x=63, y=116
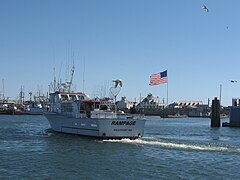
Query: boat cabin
x=79, y=105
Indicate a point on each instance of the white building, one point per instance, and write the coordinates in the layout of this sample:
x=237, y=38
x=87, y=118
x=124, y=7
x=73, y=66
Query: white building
x=150, y=103
x=124, y=104
x=190, y=108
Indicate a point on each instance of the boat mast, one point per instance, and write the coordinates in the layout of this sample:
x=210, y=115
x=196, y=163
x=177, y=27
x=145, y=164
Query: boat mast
x=3, y=90
x=21, y=96
x=54, y=81
x=83, y=73
x=72, y=72
x=54, y=85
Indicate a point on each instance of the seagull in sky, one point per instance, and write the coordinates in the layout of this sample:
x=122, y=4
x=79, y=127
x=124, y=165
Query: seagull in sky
x=233, y=81
x=205, y=8
x=118, y=82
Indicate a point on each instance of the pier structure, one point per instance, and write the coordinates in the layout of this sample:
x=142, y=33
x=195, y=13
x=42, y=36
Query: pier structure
x=215, y=118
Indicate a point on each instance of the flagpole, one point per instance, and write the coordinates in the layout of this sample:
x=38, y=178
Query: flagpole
x=167, y=92
x=167, y=87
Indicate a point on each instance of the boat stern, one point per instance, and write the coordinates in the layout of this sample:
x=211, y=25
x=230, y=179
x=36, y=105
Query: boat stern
x=119, y=128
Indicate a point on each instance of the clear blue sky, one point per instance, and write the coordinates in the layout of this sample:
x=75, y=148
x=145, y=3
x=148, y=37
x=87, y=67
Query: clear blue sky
x=126, y=39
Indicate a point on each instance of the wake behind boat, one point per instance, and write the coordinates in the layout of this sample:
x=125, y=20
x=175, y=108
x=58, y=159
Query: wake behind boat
x=76, y=113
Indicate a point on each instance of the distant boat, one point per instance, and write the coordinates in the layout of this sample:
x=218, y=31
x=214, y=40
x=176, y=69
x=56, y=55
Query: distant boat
x=6, y=110
x=173, y=116
x=10, y=109
x=34, y=108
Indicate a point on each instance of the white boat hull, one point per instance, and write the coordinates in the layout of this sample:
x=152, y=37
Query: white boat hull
x=97, y=127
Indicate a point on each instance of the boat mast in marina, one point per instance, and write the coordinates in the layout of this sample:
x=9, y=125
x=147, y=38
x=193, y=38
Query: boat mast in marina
x=71, y=80
x=21, y=96
x=3, y=96
x=83, y=73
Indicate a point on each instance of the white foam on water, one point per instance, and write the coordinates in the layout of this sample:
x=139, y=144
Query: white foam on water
x=172, y=145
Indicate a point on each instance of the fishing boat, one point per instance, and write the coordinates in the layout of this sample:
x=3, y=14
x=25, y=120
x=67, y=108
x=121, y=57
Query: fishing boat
x=76, y=113
x=10, y=109
x=6, y=109
x=35, y=108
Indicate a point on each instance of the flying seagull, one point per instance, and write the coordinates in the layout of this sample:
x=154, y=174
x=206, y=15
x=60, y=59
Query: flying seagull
x=205, y=8
x=118, y=81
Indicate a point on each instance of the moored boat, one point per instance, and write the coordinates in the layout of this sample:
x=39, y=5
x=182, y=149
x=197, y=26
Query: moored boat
x=35, y=108
x=10, y=109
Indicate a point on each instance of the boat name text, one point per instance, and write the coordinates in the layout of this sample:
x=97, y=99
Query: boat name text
x=122, y=123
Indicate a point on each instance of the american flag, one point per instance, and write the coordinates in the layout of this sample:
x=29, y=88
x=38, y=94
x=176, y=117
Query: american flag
x=159, y=78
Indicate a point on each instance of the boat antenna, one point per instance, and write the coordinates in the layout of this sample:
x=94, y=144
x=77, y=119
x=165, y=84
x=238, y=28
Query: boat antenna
x=72, y=72
x=54, y=80
x=54, y=85
x=83, y=73
x=59, y=78
x=3, y=90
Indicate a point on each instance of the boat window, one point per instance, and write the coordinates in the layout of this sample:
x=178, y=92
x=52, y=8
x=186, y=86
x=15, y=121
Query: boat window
x=80, y=97
x=67, y=107
x=82, y=107
x=104, y=107
x=54, y=98
x=73, y=97
x=97, y=106
x=64, y=97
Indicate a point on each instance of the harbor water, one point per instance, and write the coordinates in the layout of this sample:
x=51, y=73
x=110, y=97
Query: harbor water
x=181, y=148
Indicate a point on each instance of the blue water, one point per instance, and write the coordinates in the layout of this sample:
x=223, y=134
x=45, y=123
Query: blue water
x=171, y=149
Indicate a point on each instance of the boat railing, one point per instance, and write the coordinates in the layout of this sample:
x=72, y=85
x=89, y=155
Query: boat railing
x=131, y=116
x=103, y=114
x=98, y=114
